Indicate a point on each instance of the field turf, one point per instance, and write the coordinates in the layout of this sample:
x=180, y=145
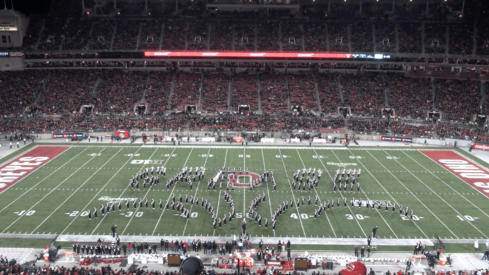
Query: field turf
x=52, y=199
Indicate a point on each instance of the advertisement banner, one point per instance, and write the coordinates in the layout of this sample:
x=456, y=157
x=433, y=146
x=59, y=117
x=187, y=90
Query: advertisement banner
x=479, y=146
x=398, y=139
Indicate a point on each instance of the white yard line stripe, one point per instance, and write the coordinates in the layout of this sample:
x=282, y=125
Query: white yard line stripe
x=41, y=181
x=73, y=193
x=99, y=192
x=244, y=189
x=376, y=209
x=147, y=192
x=388, y=193
x=436, y=217
x=52, y=190
x=171, y=193
x=447, y=183
x=334, y=233
x=125, y=189
x=293, y=196
x=436, y=194
x=341, y=194
x=196, y=189
x=219, y=199
x=268, y=190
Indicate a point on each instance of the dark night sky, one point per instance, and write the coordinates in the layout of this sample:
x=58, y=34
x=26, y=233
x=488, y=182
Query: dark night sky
x=28, y=6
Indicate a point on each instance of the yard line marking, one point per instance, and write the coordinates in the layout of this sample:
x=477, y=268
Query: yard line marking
x=334, y=233
x=341, y=194
x=125, y=189
x=172, y=190
x=293, y=196
x=445, y=182
x=147, y=192
x=42, y=179
x=244, y=189
x=219, y=199
x=196, y=189
x=304, y=147
x=376, y=209
x=99, y=191
x=73, y=193
x=414, y=196
x=268, y=190
x=52, y=190
x=438, y=195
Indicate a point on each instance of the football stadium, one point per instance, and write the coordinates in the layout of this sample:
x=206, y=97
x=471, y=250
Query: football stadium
x=244, y=137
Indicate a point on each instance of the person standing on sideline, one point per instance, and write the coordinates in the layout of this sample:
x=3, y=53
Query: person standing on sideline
x=484, y=256
x=369, y=240
x=362, y=252
x=356, y=251
x=374, y=231
x=113, y=228
x=416, y=248
x=476, y=245
x=18, y=145
x=25, y=141
x=11, y=145
x=372, y=272
x=368, y=252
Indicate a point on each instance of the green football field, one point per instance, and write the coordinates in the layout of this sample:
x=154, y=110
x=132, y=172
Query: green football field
x=53, y=198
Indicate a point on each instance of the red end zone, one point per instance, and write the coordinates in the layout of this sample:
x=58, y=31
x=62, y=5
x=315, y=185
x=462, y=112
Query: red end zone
x=467, y=171
x=22, y=166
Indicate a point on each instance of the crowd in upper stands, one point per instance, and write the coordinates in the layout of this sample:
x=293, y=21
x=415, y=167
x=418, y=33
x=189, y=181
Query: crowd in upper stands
x=107, y=27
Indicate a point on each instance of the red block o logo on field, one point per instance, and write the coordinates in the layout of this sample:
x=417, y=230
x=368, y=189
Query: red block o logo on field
x=242, y=179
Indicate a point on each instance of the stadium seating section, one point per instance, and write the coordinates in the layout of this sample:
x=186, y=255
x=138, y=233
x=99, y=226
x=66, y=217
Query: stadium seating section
x=34, y=99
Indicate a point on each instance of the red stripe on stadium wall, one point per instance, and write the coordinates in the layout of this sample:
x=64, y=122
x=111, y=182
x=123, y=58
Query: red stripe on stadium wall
x=249, y=55
x=22, y=166
x=467, y=171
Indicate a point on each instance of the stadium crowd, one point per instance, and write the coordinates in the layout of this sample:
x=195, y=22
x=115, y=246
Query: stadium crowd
x=106, y=100
x=112, y=96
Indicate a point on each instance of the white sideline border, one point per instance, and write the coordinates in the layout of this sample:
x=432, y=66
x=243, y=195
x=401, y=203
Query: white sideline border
x=285, y=147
